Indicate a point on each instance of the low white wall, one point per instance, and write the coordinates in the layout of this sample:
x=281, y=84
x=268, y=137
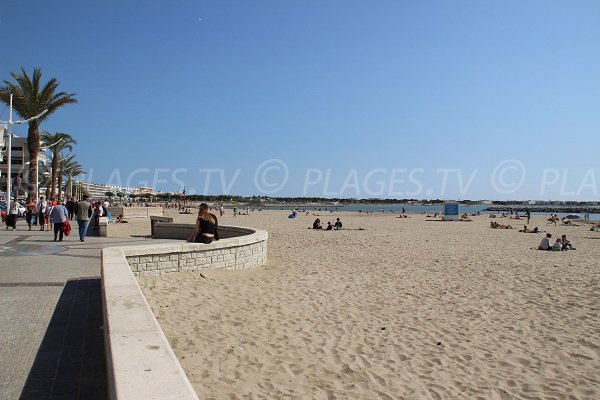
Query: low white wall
x=135, y=212
x=140, y=361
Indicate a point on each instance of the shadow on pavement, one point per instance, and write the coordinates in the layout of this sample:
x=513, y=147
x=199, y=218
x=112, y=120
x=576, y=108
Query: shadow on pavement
x=70, y=362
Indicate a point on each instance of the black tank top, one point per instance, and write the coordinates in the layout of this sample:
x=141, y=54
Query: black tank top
x=207, y=226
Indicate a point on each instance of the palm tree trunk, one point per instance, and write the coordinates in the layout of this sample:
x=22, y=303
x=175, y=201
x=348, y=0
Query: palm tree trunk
x=33, y=146
x=69, y=187
x=54, y=173
x=60, y=178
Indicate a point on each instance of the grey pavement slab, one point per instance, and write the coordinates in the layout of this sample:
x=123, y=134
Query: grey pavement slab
x=45, y=302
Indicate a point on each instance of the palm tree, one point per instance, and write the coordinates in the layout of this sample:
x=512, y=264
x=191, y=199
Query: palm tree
x=62, y=168
x=30, y=98
x=44, y=177
x=57, y=142
x=70, y=169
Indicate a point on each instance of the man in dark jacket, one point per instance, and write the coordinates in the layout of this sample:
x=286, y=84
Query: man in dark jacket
x=71, y=208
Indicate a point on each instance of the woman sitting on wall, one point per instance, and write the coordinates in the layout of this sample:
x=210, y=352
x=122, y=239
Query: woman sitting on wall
x=205, y=230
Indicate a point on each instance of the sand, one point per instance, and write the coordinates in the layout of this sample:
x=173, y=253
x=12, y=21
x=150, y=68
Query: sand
x=405, y=309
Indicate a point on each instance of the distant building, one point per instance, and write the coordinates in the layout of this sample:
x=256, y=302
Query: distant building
x=19, y=162
x=98, y=191
x=142, y=190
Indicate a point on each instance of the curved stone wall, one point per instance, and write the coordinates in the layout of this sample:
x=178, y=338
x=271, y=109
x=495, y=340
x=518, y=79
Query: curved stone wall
x=239, y=248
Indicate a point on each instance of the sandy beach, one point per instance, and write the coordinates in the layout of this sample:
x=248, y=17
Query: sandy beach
x=404, y=309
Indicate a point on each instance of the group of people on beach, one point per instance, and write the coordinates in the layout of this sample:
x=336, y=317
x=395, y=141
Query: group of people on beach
x=561, y=244
x=330, y=227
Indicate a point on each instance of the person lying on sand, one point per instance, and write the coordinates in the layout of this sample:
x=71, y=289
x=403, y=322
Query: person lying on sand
x=465, y=218
x=527, y=230
x=495, y=225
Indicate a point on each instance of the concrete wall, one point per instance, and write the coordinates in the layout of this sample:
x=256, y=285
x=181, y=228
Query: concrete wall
x=167, y=230
x=239, y=252
x=140, y=361
x=135, y=212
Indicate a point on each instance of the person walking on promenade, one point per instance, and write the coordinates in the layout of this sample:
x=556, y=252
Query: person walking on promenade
x=71, y=206
x=41, y=213
x=13, y=213
x=58, y=216
x=30, y=210
x=83, y=214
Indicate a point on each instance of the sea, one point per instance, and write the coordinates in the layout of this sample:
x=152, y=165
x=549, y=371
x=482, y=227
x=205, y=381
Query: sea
x=409, y=208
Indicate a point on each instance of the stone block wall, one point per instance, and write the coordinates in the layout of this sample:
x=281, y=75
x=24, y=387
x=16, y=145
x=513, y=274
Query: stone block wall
x=247, y=252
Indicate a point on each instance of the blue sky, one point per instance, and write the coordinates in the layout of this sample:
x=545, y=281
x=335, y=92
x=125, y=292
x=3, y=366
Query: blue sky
x=460, y=99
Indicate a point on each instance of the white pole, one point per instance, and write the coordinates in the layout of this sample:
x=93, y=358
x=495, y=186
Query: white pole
x=8, y=157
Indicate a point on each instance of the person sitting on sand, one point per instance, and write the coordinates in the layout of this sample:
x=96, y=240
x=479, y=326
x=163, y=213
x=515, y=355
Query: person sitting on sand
x=465, y=218
x=558, y=245
x=205, y=230
x=566, y=244
x=545, y=244
x=524, y=230
x=338, y=224
x=317, y=224
x=329, y=226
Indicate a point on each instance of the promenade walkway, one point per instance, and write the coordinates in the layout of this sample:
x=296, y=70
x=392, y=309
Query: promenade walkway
x=51, y=338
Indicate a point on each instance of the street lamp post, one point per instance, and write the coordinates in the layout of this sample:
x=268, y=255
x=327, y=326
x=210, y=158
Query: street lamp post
x=10, y=122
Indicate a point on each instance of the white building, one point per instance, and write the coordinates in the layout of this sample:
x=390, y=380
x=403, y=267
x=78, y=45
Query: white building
x=19, y=161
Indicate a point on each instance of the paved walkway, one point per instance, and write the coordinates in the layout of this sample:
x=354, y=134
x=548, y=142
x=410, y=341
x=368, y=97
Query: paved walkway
x=51, y=340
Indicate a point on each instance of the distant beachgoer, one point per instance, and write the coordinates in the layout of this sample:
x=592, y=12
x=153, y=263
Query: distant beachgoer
x=338, y=224
x=206, y=229
x=524, y=230
x=558, y=245
x=317, y=224
x=566, y=244
x=329, y=226
x=545, y=244
x=528, y=216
